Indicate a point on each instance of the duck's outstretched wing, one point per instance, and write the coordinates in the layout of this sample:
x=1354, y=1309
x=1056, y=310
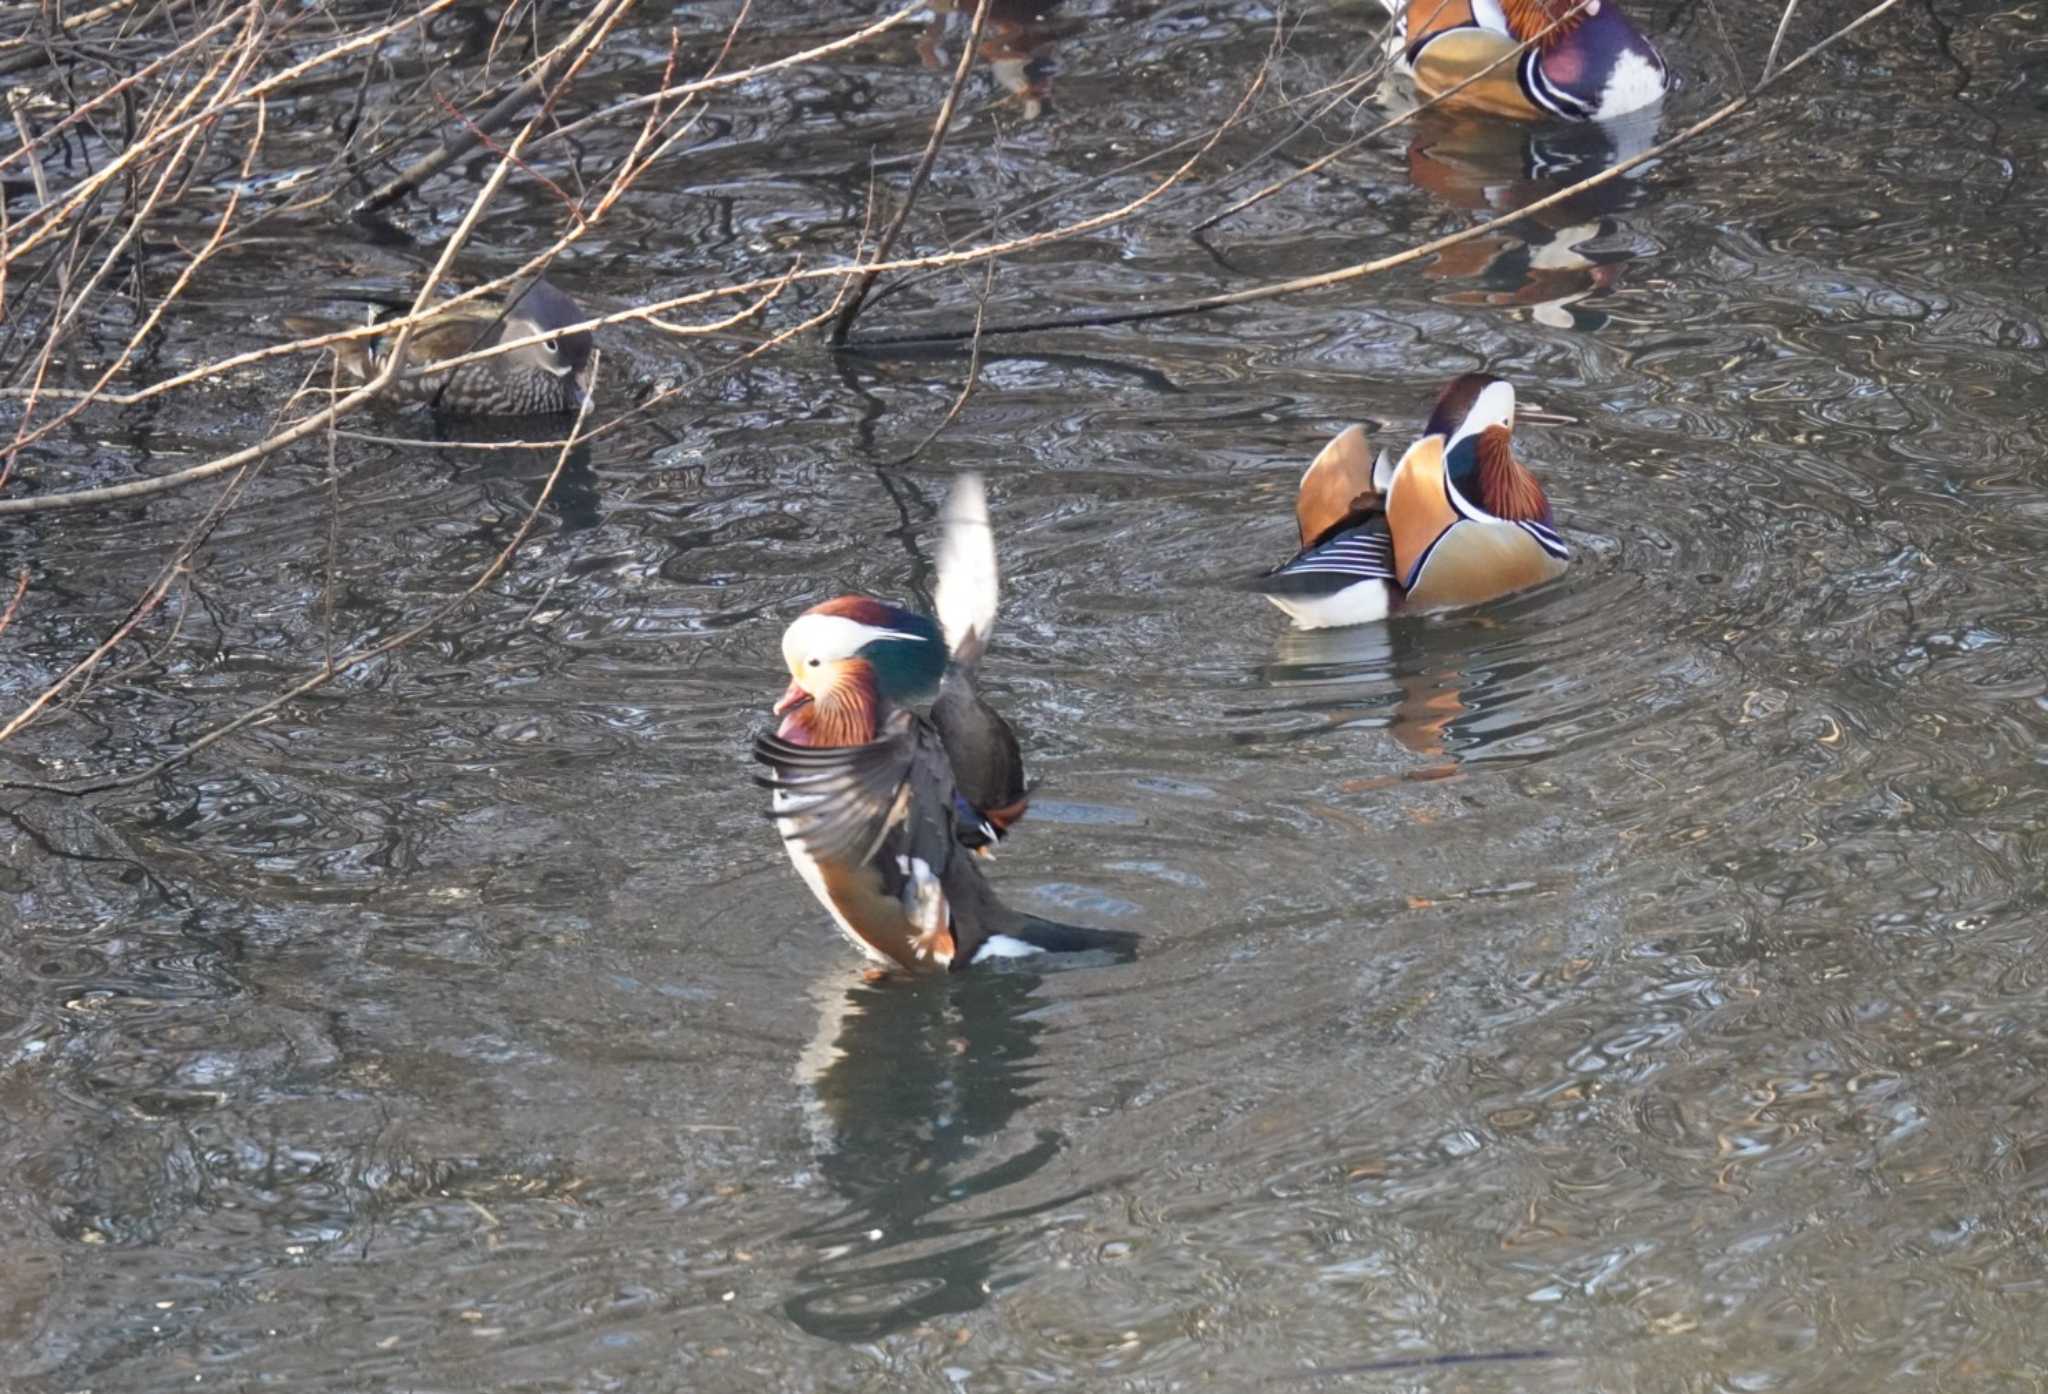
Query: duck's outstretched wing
x=838, y=803
x=881, y=822
x=987, y=766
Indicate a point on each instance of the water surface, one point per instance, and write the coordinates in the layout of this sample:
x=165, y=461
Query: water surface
x=1639, y=972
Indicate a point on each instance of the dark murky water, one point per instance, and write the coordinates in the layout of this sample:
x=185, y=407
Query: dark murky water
x=1643, y=971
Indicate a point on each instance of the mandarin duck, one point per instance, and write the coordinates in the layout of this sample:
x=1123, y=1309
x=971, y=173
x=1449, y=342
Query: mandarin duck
x=1017, y=43
x=1456, y=521
x=1590, y=63
x=550, y=376
x=886, y=811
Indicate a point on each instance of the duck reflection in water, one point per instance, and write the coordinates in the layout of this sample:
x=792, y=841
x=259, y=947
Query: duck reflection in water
x=1354, y=666
x=1452, y=693
x=1017, y=42
x=910, y=1087
x=1547, y=263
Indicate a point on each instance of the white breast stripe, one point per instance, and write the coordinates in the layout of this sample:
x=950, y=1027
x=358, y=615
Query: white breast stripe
x=1544, y=93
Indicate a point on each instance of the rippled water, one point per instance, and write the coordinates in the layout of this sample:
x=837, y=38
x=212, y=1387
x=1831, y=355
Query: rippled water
x=1635, y=981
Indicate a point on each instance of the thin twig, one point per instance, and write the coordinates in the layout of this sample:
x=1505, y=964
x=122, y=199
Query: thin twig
x=1784, y=23
x=455, y=145
x=20, y=589
x=965, y=257
x=743, y=75
x=162, y=133
x=1734, y=58
x=941, y=124
x=87, y=498
x=988, y=281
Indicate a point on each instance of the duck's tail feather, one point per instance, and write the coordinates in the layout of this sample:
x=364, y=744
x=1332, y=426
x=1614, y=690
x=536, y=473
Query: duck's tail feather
x=966, y=594
x=1027, y=936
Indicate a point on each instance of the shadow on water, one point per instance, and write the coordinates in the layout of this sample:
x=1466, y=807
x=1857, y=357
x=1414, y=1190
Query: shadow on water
x=574, y=502
x=910, y=1086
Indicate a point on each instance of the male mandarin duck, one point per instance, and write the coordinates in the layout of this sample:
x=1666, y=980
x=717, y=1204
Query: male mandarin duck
x=883, y=809
x=1017, y=43
x=1592, y=64
x=1457, y=521
x=549, y=376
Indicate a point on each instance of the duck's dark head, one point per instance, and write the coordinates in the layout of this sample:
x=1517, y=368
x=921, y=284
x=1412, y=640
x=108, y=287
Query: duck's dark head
x=557, y=363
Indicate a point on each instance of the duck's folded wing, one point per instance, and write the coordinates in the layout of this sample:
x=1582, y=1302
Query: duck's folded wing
x=988, y=767
x=1364, y=553
x=454, y=334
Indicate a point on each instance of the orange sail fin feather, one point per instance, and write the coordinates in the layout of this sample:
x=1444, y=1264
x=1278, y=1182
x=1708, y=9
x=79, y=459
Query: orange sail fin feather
x=1528, y=18
x=1506, y=488
x=1338, y=488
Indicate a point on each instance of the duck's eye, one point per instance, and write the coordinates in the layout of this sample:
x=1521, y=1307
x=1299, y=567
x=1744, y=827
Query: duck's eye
x=551, y=345
x=816, y=663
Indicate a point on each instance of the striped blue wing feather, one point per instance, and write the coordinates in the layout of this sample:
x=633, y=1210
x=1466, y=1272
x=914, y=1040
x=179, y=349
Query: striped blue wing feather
x=1547, y=537
x=1363, y=553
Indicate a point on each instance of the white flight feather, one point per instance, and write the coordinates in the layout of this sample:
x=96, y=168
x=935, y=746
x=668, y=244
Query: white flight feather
x=965, y=595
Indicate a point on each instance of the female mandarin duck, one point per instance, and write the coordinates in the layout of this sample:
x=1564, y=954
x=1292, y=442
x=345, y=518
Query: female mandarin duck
x=536, y=379
x=879, y=806
x=1590, y=65
x=1457, y=521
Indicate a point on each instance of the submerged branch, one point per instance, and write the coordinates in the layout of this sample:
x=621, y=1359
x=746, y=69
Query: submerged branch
x=941, y=124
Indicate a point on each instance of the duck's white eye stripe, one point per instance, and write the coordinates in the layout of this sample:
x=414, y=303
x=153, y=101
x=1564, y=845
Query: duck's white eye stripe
x=832, y=637
x=1495, y=406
